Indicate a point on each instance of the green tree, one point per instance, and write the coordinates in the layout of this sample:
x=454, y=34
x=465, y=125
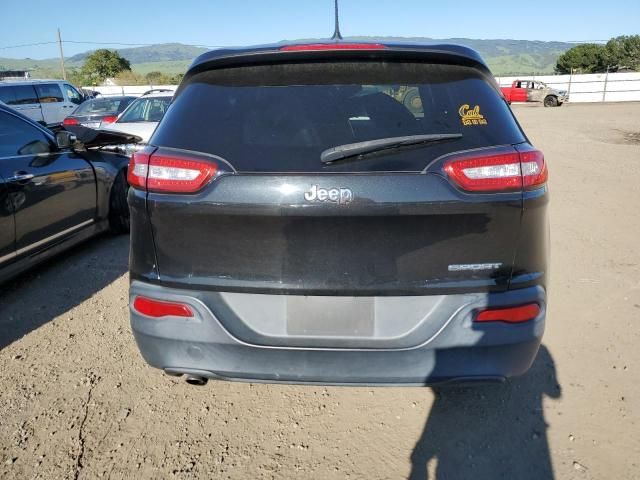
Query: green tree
x=155, y=77
x=104, y=63
x=623, y=51
x=586, y=58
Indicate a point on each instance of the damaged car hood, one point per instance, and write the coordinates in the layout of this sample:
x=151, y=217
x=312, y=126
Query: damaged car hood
x=101, y=138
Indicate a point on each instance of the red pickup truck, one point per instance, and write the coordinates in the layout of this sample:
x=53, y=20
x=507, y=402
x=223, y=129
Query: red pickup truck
x=534, y=91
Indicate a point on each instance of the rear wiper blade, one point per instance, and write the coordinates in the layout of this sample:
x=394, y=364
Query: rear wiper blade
x=370, y=146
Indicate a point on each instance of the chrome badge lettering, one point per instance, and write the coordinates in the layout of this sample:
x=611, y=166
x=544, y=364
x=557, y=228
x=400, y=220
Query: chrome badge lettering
x=341, y=196
x=474, y=267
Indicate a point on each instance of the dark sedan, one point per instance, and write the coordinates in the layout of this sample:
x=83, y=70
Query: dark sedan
x=56, y=191
x=93, y=112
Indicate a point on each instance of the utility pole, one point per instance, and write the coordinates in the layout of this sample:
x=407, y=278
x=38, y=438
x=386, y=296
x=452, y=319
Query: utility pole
x=64, y=73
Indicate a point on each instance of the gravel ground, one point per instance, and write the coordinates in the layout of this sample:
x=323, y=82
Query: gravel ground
x=77, y=400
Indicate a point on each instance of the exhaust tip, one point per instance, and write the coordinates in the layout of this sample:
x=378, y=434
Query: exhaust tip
x=196, y=380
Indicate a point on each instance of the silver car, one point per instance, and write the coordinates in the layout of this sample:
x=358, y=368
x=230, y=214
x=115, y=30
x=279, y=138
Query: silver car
x=47, y=102
x=142, y=116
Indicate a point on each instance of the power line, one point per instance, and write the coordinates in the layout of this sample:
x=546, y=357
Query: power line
x=26, y=45
x=101, y=43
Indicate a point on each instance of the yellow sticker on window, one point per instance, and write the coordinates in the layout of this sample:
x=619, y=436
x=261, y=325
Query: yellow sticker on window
x=471, y=116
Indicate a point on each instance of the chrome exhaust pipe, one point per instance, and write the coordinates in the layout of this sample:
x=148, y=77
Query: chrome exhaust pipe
x=196, y=380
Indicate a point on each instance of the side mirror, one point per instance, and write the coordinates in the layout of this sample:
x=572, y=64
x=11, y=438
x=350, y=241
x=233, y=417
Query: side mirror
x=65, y=139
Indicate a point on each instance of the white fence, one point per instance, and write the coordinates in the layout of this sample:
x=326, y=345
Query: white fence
x=593, y=87
x=134, y=90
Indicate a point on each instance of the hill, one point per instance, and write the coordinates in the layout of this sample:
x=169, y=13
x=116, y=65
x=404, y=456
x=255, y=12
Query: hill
x=504, y=57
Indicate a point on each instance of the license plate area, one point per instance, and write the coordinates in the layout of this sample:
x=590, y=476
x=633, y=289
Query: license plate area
x=330, y=316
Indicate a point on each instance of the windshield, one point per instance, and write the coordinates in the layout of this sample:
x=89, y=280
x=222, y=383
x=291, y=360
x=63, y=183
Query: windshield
x=282, y=117
x=102, y=106
x=150, y=109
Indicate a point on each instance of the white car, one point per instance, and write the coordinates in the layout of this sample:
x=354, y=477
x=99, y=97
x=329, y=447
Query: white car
x=142, y=116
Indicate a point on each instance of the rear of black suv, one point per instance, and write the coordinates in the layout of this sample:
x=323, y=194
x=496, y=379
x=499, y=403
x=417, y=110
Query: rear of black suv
x=339, y=213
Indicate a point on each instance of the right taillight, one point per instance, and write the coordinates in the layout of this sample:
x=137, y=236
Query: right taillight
x=109, y=119
x=167, y=171
x=500, y=171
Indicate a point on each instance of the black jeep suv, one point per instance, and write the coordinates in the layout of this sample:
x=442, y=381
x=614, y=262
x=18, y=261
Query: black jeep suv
x=342, y=213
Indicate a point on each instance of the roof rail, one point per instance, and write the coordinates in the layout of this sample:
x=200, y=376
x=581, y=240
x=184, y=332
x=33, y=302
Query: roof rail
x=158, y=90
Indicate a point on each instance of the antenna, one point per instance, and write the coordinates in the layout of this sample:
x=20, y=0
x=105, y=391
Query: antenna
x=336, y=33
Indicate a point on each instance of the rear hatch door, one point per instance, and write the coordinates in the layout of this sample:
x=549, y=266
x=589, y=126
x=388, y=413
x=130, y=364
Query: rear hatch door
x=277, y=219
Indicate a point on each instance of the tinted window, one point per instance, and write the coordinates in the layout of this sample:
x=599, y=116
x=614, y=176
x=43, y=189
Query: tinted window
x=49, y=92
x=6, y=95
x=24, y=95
x=100, y=105
x=72, y=94
x=150, y=109
x=17, y=137
x=282, y=117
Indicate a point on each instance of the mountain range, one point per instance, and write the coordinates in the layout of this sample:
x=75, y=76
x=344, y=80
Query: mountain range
x=504, y=57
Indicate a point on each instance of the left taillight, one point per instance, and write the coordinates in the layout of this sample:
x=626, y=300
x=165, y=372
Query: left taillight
x=514, y=170
x=167, y=171
x=70, y=121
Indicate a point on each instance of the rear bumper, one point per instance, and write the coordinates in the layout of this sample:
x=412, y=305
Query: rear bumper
x=459, y=350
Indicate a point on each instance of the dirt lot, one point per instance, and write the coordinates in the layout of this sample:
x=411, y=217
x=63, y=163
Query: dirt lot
x=77, y=401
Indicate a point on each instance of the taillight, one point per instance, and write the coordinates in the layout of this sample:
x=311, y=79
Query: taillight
x=534, y=169
x=311, y=47
x=166, y=171
x=522, y=313
x=109, y=119
x=70, y=121
x=138, y=168
x=499, y=172
x=158, y=308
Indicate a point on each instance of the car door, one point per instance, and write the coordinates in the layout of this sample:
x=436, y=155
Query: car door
x=72, y=99
x=519, y=93
x=7, y=225
x=24, y=99
x=52, y=192
x=52, y=102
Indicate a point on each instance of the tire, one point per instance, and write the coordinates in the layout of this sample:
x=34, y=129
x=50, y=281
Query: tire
x=119, y=221
x=550, y=101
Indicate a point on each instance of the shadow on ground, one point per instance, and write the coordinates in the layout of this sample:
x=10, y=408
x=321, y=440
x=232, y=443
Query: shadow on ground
x=490, y=432
x=55, y=287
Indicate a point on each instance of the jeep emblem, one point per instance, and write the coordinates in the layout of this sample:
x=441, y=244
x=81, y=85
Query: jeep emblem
x=341, y=196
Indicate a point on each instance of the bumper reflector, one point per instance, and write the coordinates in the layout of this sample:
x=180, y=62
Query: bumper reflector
x=157, y=309
x=523, y=313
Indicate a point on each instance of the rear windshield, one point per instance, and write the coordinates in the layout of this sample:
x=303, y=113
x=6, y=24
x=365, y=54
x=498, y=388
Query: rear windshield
x=280, y=118
x=150, y=109
x=102, y=105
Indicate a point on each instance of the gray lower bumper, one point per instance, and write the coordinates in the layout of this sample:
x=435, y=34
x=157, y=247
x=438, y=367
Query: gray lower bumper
x=458, y=350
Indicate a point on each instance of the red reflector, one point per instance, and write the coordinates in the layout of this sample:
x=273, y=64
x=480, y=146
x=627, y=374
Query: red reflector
x=499, y=172
x=309, y=47
x=157, y=308
x=523, y=313
x=70, y=121
x=109, y=119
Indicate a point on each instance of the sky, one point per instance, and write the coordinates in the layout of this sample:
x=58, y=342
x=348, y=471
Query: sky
x=235, y=23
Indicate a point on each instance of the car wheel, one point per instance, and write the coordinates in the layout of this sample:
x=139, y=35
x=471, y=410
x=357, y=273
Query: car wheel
x=118, y=207
x=550, y=101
